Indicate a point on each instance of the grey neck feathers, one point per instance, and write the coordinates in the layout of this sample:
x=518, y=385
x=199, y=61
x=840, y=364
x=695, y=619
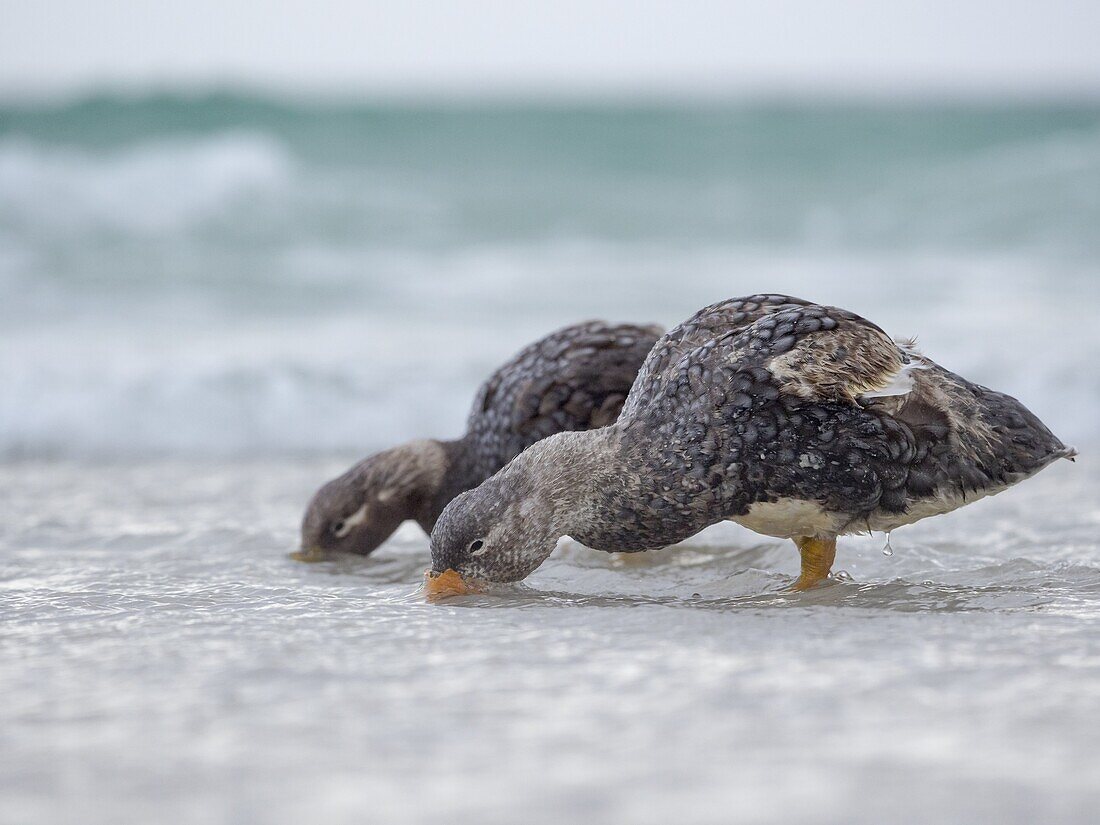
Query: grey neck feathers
x=599, y=493
x=565, y=473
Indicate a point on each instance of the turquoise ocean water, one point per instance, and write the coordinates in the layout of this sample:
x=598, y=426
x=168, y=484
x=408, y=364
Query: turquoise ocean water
x=227, y=274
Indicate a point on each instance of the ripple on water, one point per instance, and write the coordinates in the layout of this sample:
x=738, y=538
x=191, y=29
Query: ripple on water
x=174, y=653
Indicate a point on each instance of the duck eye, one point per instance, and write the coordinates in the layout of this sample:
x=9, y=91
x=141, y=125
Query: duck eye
x=476, y=545
x=338, y=527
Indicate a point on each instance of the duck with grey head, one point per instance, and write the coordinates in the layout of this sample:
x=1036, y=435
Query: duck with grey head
x=794, y=419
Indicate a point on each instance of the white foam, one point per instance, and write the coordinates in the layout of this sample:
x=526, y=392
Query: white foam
x=143, y=375
x=154, y=187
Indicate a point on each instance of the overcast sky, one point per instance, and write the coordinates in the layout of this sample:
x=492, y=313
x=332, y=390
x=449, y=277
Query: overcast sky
x=558, y=46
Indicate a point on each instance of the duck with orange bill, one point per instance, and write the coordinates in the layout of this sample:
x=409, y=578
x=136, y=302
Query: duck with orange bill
x=794, y=419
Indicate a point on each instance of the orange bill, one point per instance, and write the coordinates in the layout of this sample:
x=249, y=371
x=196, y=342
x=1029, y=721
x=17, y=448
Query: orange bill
x=309, y=555
x=445, y=584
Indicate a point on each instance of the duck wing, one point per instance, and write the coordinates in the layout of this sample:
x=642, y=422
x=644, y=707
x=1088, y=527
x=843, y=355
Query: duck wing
x=816, y=404
x=947, y=438
x=718, y=322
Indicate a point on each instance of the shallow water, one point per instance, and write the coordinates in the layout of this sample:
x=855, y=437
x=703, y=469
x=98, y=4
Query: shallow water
x=164, y=660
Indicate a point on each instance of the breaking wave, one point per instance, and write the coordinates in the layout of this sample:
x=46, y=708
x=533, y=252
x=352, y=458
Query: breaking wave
x=152, y=188
x=231, y=275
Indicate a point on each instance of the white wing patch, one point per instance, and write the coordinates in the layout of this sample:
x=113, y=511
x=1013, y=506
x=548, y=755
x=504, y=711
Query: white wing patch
x=901, y=382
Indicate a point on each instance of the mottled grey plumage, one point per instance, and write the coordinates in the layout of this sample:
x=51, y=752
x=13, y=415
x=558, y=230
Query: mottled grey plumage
x=574, y=379
x=794, y=419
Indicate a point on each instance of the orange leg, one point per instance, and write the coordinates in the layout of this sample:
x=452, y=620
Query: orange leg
x=817, y=561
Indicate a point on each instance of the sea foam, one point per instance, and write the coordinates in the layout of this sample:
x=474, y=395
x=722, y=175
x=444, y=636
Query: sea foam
x=151, y=188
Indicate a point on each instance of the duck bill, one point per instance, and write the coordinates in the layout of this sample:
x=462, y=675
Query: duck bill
x=447, y=584
x=309, y=555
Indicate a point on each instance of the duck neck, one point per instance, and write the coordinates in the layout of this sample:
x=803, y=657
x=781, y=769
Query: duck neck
x=460, y=474
x=622, y=507
x=569, y=475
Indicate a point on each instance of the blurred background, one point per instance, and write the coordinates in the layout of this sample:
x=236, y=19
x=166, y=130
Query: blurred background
x=244, y=244
x=228, y=231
